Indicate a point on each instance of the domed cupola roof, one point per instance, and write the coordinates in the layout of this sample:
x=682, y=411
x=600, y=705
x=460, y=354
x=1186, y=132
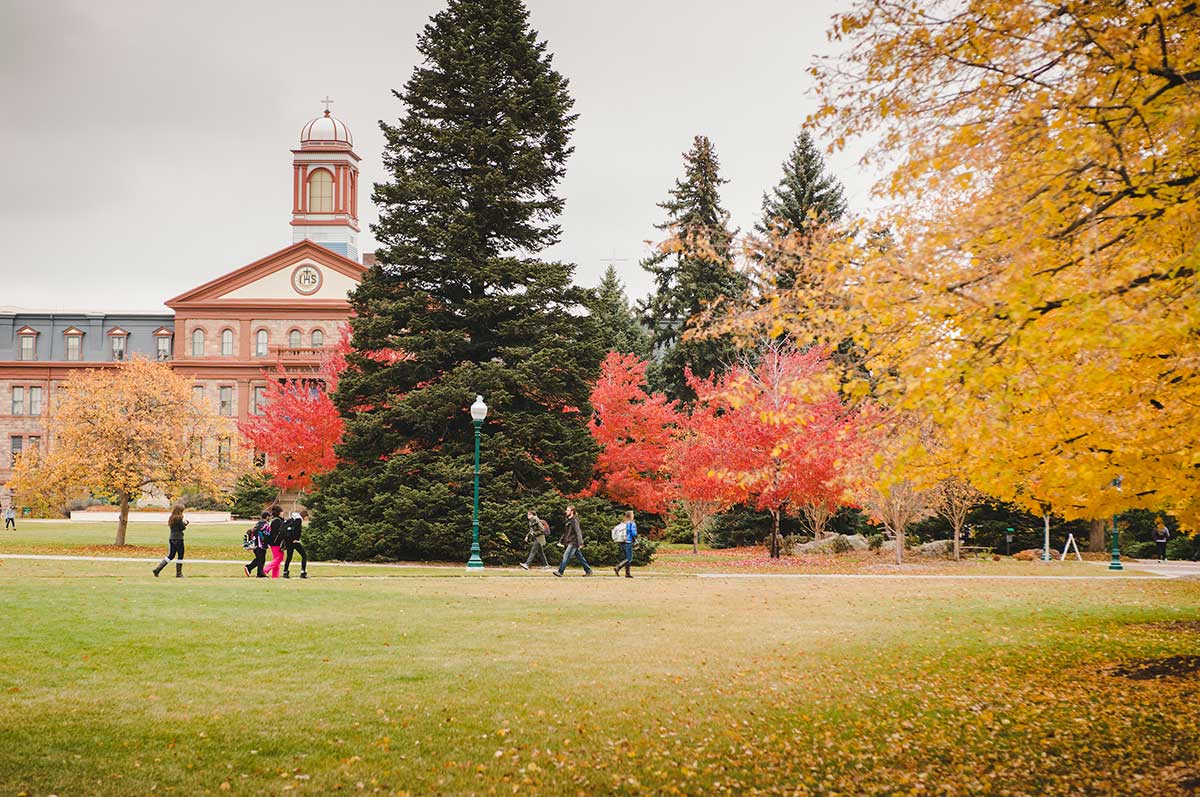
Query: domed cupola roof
x=327, y=130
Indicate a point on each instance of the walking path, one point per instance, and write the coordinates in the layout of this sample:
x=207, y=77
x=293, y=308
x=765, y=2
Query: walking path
x=1168, y=570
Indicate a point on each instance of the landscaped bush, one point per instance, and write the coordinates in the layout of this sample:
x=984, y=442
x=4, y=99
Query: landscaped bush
x=874, y=541
x=251, y=494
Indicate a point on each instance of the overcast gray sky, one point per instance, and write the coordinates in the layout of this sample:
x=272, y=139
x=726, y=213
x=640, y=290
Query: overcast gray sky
x=147, y=143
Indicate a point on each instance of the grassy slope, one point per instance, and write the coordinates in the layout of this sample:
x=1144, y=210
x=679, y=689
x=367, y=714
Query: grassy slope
x=116, y=683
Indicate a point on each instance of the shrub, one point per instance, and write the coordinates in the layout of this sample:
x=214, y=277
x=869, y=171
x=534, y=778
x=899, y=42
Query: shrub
x=251, y=494
x=874, y=542
x=840, y=545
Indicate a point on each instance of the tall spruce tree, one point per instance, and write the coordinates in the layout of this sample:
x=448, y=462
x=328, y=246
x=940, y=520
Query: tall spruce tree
x=691, y=274
x=806, y=195
x=618, y=326
x=459, y=305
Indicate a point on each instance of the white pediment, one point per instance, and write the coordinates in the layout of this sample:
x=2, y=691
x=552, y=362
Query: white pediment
x=298, y=281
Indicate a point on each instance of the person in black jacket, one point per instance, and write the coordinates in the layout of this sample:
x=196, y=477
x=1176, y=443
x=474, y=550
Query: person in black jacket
x=292, y=528
x=256, y=538
x=572, y=539
x=176, y=524
x=1161, y=535
x=275, y=541
x=536, y=538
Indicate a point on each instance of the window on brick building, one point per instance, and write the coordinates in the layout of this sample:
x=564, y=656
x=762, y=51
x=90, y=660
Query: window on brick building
x=318, y=338
x=223, y=452
x=14, y=444
x=35, y=401
x=225, y=397
x=198, y=394
x=18, y=400
x=260, y=343
x=198, y=343
x=35, y=442
x=258, y=400
x=227, y=343
x=295, y=339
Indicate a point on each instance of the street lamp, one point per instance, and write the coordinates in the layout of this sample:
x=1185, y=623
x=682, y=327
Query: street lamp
x=478, y=413
x=1115, y=563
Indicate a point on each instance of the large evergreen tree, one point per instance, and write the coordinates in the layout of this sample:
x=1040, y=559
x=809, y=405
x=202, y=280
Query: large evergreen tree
x=691, y=274
x=806, y=195
x=617, y=325
x=461, y=305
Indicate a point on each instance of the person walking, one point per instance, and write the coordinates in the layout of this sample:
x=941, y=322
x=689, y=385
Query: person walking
x=292, y=529
x=536, y=538
x=256, y=541
x=624, y=535
x=1161, y=535
x=275, y=541
x=572, y=540
x=10, y=518
x=176, y=524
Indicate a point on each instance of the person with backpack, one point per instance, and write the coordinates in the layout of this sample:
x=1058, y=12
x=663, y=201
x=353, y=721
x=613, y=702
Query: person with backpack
x=175, y=525
x=1161, y=535
x=256, y=543
x=572, y=540
x=291, y=542
x=275, y=541
x=536, y=538
x=624, y=534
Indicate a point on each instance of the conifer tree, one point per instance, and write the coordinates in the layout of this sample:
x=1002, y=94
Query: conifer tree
x=460, y=304
x=617, y=324
x=806, y=194
x=690, y=274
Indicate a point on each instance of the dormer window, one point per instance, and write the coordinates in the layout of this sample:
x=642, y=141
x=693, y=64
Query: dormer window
x=116, y=340
x=27, y=344
x=74, y=342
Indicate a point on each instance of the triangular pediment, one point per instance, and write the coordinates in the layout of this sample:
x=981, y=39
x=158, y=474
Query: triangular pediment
x=304, y=273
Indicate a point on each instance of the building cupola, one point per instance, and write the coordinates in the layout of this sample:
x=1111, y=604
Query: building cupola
x=325, y=186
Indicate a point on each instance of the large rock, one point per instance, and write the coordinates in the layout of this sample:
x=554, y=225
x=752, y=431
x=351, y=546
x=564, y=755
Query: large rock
x=940, y=549
x=834, y=543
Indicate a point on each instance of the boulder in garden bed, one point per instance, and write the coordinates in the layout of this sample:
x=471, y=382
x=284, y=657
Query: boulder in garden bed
x=835, y=543
x=939, y=549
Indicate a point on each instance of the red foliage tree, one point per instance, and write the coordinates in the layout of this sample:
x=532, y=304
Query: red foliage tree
x=777, y=435
x=300, y=425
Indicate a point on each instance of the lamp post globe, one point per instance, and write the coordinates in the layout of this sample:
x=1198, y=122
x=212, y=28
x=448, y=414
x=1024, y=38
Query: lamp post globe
x=478, y=414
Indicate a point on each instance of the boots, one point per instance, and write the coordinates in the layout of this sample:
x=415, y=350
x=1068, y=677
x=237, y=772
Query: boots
x=179, y=570
x=158, y=569
x=617, y=568
x=627, y=573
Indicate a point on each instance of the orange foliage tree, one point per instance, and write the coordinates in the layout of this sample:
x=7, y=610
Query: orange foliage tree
x=124, y=431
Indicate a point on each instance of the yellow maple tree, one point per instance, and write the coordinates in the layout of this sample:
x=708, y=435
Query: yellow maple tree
x=124, y=431
x=1035, y=295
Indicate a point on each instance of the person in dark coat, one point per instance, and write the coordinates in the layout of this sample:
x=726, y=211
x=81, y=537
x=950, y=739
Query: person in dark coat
x=572, y=541
x=292, y=529
x=175, y=524
x=275, y=541
x=256, y=541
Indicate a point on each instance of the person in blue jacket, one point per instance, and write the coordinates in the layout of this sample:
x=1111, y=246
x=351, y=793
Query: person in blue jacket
x=627, y=546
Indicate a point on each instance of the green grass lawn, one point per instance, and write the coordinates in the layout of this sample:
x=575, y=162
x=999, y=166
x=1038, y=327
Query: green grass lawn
x=116, y=683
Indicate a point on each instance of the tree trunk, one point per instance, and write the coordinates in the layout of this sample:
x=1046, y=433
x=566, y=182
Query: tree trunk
x=957, y=543
x=122, y=519
x=775, y=534
x=900, y=545
x=1096, y=535
x=695, y=538
x=1046, y=541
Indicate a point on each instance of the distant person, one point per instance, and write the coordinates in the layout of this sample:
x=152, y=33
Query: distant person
x=572, y=540
x=275, y=541
x=1161, y=535
x=256, y=542
x=624, y=534
x=175, y=524
x=292, y=529
x=536, y=538
x=10, y=518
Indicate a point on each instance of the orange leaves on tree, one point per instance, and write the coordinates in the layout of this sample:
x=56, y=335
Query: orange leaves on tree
x=300, y=424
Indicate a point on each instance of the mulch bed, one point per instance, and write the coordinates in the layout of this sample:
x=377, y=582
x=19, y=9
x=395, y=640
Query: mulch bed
x=1151, y=669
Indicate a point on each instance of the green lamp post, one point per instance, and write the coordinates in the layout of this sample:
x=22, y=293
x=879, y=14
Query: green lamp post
x=1115, y=563
x=478, y=413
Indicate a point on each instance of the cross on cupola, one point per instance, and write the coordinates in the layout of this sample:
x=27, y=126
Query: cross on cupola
x=327, y=102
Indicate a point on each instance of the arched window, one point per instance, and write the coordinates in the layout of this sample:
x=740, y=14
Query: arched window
x=320, y=192
x=294, y=339
x=198, y=343
x=226, y=342
x=260, y=343
x=318, y=338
